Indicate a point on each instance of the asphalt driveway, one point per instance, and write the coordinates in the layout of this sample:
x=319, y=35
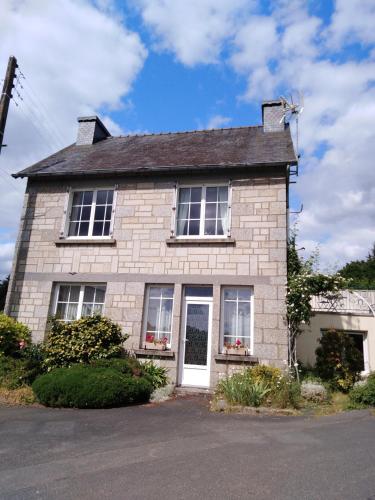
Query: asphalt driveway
x=179, y=450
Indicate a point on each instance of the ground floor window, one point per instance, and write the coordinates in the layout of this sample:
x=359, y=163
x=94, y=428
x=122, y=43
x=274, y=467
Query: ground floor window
x=158, y=313
x=74, y=301
x=236, y=316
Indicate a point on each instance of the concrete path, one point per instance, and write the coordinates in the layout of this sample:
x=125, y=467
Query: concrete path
x=178, y=450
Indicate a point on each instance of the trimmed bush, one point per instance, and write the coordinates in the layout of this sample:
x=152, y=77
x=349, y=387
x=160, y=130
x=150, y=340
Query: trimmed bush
x=82, y=341
x=13, y=336
x=85, y=386
x=127, y=366
x=338, y=361
x=364, y=394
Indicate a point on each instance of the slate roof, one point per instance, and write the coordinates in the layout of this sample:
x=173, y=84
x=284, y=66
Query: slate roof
x=207, y=149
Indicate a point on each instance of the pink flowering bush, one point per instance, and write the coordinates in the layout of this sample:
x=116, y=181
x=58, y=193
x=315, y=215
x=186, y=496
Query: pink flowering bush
x=14, y=336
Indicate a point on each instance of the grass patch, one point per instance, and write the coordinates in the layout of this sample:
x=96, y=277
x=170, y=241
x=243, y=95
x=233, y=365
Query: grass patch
x=337, y=403
x=21, y=396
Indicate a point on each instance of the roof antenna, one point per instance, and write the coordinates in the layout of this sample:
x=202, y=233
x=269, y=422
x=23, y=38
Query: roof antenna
x=293, y=109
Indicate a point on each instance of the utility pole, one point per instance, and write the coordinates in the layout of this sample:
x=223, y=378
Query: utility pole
x=6, y=96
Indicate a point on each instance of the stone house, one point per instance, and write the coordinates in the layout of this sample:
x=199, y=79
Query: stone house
x=178, y=237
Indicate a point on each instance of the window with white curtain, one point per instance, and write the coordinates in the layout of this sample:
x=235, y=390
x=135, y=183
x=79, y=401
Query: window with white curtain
x=90, y=213
x=236, y=316
x=158, y=313
x=202, y=211
x=74, y=301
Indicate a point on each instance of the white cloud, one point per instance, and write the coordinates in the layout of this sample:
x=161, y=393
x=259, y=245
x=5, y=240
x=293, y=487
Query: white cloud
x=218, y=121
x=353, y=21
x=78, y=59
x=195, y=31
x=6, y=256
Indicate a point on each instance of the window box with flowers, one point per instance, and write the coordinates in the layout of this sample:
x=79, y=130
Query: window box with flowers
x=154, y=343
x=238, y=348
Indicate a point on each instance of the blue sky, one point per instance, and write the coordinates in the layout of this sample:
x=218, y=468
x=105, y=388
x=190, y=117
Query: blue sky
x=169, y=65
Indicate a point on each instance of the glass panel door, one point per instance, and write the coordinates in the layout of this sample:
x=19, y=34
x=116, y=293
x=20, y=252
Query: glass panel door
x=196, y=338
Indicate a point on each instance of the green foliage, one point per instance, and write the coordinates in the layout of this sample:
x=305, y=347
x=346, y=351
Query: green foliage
x=17, y=372
x=304, y=282
x=361, y=272
x=13, y=335
x=261, y=385
x=82, y=341
x=85, y=386
x=127, y=366
x=157, y=375
x=3, y=292
x=363, y=395
x=338, y=361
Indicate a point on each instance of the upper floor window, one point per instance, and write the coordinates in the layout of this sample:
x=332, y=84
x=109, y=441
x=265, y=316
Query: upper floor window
x=76, y=301
x=90, y=213
x=202, y=211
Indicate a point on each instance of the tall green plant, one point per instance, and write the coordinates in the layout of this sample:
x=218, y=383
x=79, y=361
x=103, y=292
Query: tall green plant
x=304, y=281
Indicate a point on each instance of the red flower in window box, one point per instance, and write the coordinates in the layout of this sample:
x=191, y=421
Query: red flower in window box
x=238, y=348
x=154, y=343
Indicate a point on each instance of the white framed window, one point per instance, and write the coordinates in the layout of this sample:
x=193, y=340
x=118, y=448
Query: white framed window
x=158, y=313
x=237, y=316
x=203, y=211
x=74, y=301
x=90, y=214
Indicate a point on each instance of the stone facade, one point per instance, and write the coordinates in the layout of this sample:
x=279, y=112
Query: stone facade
x=141, y=253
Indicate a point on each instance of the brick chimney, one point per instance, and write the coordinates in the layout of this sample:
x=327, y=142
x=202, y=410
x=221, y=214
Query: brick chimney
x=273, y=116
x=90, y=130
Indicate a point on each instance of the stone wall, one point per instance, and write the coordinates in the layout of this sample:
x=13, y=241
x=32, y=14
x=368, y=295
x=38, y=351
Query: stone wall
x=141, y=255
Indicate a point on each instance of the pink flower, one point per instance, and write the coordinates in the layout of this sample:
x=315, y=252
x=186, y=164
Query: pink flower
x=22, y=344
x=164, y=340
x=238, y=342
x=149, y=338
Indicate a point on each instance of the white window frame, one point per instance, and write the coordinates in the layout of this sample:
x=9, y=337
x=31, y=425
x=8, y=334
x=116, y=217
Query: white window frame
x=201, y=234
x=68, y=211
x=80, y=297
x=250, y=348
x=145, y=310
x=366, y=362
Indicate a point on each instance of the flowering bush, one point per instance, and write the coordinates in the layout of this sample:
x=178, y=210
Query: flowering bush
x=363, y=395
x=14, y=336
x=81, y=341
x=338, y=361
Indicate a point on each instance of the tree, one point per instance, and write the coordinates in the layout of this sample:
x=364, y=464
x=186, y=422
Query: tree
x=361, y=272
x=304, y=282
x=3, y=292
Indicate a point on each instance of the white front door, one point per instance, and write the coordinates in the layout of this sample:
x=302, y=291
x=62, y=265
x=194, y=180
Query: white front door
x=196, y=342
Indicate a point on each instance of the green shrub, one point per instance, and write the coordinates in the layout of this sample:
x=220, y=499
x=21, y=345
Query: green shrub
x=85, y=386
x=17, y=372
x=157, y=375
x=128, y=366
x=13, y=336
x=260, y=385
x=338, y=361
x=241, y=389
x=82, y=341
x=363, y=395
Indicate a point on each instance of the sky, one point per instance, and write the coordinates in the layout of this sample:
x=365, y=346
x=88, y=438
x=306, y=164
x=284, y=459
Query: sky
x=148, y=66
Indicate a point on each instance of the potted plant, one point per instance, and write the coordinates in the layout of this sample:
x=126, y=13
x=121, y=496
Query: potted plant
x=154, y=343
x=238, y=348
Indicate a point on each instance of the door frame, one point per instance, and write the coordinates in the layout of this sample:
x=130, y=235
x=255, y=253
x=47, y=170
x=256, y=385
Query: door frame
x=207, y=368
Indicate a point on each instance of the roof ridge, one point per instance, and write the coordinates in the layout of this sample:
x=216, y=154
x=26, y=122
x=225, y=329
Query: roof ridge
x=185, y=132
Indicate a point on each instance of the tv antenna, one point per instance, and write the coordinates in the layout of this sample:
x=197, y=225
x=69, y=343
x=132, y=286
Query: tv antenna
x=293, y=109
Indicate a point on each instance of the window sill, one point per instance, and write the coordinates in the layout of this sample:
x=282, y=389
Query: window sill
x=85, y=241
x=151, y=353
x=201, y=241
x=236, y=358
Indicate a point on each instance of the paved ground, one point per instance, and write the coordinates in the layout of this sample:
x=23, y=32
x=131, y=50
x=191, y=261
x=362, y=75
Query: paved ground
x=179, y=450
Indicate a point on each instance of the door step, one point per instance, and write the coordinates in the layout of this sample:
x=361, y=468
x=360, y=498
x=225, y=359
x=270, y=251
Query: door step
x=191, y=390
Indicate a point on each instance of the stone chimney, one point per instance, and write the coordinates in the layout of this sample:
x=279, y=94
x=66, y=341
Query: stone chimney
x=273, y=116
x=90, y=130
